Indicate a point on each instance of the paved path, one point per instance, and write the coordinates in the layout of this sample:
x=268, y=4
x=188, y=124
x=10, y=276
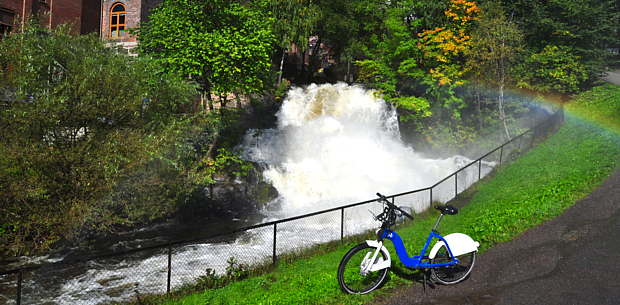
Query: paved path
x=612, y=77
x=572, y=259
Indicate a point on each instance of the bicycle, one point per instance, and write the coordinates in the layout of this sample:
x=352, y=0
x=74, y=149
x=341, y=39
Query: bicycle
x=365, y=266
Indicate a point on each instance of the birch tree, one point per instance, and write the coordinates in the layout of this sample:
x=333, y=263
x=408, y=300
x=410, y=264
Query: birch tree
x=292, y=24
x=496, y=43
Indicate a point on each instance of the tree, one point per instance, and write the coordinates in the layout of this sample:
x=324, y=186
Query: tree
x=293, y=21
x=221, y=44
x=404, y=59
x=444, y=47
x=79, y=118
x=555, y=69
x=392, y=55
x=496, y=44
x=587, y=27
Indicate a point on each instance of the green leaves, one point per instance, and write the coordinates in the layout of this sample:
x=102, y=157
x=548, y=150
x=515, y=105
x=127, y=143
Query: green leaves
x=586, y=27
x=292, y=21
x=496, y=45
x=555, y=69
x=221, y=44
x=226, y=162
x=414, y=104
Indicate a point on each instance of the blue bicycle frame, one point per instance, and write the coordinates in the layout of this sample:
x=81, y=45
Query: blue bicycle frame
x=416, y=261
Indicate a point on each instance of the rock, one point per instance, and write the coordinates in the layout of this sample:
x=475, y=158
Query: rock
x=232, y=198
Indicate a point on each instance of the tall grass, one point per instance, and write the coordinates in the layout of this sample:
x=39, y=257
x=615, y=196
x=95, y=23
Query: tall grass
x=532, y=190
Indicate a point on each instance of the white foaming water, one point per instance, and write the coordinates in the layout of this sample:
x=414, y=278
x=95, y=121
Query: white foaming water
x=339, y=144
x=334, y=145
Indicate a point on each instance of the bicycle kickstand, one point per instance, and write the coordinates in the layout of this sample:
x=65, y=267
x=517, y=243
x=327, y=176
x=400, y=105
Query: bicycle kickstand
x=424, y=282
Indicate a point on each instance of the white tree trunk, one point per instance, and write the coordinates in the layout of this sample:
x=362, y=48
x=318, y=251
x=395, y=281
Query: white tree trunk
x=281, y=64
x=502, y=78
x=478, y=108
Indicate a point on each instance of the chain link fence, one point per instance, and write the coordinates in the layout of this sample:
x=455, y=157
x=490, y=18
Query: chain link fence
x=127, y=276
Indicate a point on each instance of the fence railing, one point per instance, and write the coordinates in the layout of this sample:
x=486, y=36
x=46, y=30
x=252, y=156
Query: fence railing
x=120, y=276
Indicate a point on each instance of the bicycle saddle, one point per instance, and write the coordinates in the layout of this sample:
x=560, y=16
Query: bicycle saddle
x=447, y=209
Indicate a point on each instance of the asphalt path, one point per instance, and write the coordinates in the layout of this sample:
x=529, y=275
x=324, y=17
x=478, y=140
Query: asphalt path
x=612, y=77
x=571, y=259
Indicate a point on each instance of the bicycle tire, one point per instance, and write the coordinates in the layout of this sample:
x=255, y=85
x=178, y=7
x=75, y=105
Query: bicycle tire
x=452, y=274
x=349, y=276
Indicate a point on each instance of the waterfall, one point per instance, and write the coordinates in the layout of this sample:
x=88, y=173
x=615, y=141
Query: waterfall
x=339, y=144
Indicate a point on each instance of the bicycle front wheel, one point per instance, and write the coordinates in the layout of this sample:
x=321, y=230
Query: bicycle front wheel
x=350, y=272
x=452, y=274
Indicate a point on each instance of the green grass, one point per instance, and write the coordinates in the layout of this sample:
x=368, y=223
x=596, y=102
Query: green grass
x=600, y=105
x=534, y=189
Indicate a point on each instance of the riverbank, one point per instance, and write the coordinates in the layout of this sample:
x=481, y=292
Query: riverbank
x=543, y=184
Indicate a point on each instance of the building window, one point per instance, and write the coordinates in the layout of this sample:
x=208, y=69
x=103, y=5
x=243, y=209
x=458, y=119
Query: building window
x=117, y=21
x=6, y=21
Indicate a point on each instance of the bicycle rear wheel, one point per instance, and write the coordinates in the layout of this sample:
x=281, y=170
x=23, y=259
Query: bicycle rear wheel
x=350, y=277
x=452, y=274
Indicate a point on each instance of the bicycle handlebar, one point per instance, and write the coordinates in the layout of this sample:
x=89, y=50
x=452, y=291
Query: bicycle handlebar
x=393, y=206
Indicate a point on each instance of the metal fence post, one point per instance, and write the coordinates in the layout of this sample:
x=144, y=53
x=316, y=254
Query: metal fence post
x=275, y=227
x=169, y=267
x=520, y=138
x=455, y=184
x=501, y=154
x=534, y=136
x=431, y=202
x=18, y=299
x=479, y=167
x=342, y=226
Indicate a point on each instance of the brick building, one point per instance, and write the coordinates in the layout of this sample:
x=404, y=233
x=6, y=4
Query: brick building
x=109, y=18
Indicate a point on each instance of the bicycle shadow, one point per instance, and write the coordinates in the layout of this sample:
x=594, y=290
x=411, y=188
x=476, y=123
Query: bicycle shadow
x=415, y=276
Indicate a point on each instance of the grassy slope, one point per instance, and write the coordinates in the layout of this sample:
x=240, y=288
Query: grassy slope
x=534, y=189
